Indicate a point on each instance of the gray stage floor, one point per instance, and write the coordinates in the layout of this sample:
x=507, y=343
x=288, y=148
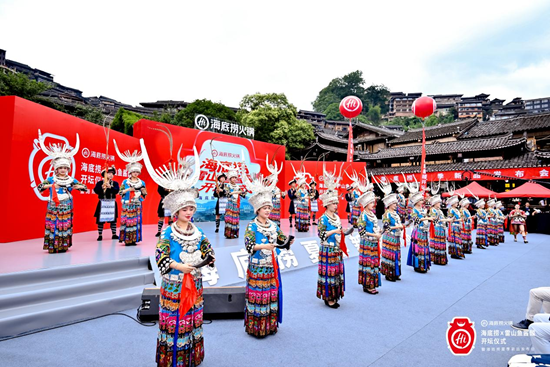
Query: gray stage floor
x=28, y=255
x=404, y=325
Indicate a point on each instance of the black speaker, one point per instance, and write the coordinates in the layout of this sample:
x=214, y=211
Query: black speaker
x=219, y=303
x=150, y=301
x=224, y=302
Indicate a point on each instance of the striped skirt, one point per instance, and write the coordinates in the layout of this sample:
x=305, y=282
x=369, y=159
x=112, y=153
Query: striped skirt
x=130, y=223
x=262, y=301
x=492, y=232
x=438, y=246
x=302, y=218
x=500, y=231
x=391, y=255
x=455, y=241
x=369, y=268
x=275, y=214
x=481, y=234
x=58, y=235
x=331, y=281
x=466, y=234
x=180, y=337
x=232, y=218
x=419, y=251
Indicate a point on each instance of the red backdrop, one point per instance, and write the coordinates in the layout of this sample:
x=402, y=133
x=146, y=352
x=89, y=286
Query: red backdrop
x=25, y=165
x=315, y=170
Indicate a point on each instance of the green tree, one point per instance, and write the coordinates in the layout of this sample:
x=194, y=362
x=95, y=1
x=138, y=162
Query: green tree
x=124, y=121
x=374, y=115
x=351, y=84
x=186, y=117
x=274, y=120
x=18, y=84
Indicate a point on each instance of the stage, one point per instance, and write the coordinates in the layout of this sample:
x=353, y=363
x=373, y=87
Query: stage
x=28, y=255
x=94, y=278
x=405, y=325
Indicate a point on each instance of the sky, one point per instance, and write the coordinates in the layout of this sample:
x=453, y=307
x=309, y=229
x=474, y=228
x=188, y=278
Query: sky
x=143, y=51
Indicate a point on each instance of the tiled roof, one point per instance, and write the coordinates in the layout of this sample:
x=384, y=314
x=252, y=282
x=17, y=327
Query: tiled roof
x=380, y=129
x=433, y=132
x=522, y=161
x=342, y=140
x=446, y=148
x=519, y=124
x=329, y=148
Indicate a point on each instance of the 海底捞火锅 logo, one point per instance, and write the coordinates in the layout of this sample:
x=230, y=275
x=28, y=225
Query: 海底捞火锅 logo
x=461, y=336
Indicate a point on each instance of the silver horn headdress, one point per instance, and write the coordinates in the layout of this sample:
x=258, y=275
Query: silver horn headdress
x=132, y=159
x=61, y=153
x=176, y=178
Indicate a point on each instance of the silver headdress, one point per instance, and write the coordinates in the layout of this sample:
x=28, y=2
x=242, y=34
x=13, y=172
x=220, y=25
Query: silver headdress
x=332, y=182
x=131, y=158
x=480, y=202
x=176, y=179
x=273, y=169
x=260, y=187
x=61, y=154
x=389, y=197
x=367, y=195
x=299, y=176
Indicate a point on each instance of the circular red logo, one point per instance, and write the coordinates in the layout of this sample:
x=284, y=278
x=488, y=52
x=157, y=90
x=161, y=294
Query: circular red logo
x=351, y=107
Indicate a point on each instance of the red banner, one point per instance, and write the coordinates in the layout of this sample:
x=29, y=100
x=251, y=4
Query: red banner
x=350, y=144
x=478, y=175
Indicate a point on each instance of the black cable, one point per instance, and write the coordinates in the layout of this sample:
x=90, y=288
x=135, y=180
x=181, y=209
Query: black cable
x=146, y=324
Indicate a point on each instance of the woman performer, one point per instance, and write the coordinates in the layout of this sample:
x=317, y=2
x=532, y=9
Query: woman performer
x=467, y=225
x=233, y=210
x=438, y=238
x=181, y=252
x=221, y=194
x=518, y=219
x=263, y=239
x=314, y=197
x=58, y=235
x=481, y=231
x=419, y=252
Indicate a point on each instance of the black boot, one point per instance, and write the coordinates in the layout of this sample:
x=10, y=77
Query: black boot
x=290, y=220
x=217, y=226
x=100, y=238
x=158, y=234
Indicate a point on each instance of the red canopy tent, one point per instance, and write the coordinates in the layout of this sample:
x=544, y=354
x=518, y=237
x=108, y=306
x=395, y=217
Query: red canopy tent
x=476, y=189
x=529, y=189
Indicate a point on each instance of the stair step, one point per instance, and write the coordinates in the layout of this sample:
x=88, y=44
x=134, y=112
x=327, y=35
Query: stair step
x=70, y=272
x=38, y=293
x=47, y=314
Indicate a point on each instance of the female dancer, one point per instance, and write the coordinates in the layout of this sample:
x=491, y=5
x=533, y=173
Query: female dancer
x=500, y=221
x=263, y=239
x=302, y=207
x=369, y=256
x=419, y=252
x=391, y=240
x=518, y=219
x=133, y=193
x=181, y=251
x=492, y=223
x=58, y=236
x=331, y=282
x=233, y=210
x=456, y=249
x=481, y=231
x=467, y=225
x=438, y=239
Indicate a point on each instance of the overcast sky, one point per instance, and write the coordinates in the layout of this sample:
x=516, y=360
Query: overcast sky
x=141, y=51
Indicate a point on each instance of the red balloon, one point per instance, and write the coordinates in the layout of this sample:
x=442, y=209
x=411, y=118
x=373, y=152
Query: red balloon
x=424, y=107
x=351, y=107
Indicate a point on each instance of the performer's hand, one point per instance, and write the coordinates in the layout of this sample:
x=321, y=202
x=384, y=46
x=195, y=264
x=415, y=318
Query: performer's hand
x=292, y=241
x=55, y=186
x=213, y=259
x=131, y=189
x=184, y=268
x=269, y=247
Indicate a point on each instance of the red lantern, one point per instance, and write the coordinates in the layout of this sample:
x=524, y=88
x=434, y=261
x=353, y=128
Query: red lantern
x=424, y=107
x=351, y=107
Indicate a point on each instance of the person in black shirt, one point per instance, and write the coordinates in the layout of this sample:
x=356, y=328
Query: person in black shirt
x=106, y=189
x=350, y=199
x=292, y=197
x=221, y=194
x=313, y=197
